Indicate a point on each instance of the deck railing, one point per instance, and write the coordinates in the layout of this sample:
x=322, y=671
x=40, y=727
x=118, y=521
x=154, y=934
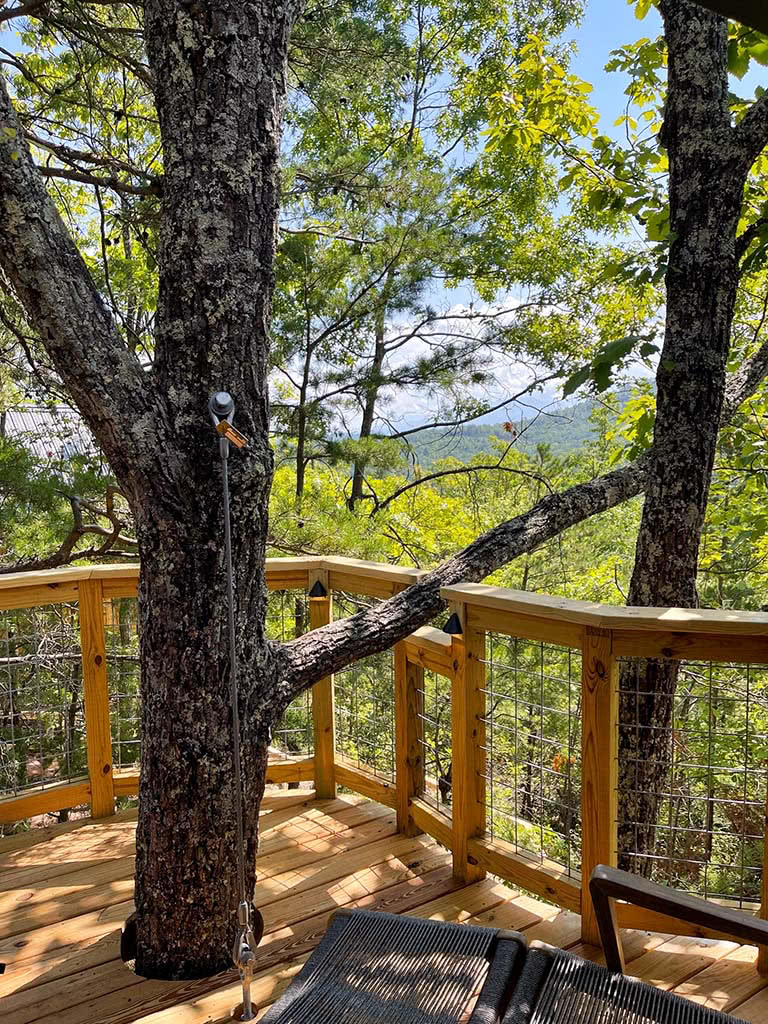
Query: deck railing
x=499, y=739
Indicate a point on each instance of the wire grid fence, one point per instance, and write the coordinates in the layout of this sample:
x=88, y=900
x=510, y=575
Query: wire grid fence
x=533, y=748
x=121, y=635
x=436, y=741
x=287, y=618
x=42, y=726
x=695, y=766
x=365, y=702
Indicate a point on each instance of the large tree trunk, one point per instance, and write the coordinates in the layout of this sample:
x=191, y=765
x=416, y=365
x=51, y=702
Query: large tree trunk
x=705, y=194
x=219, y=72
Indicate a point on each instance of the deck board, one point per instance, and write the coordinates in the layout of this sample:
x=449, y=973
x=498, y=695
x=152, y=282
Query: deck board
x=64, y=892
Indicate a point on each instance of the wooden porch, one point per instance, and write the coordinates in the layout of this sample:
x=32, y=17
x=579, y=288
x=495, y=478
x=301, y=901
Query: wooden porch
x=65, y=890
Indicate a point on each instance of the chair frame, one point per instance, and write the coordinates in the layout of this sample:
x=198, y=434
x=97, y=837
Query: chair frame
x=610, y=884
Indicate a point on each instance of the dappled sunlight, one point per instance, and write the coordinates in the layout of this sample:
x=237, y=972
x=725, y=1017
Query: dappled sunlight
x=349, y=855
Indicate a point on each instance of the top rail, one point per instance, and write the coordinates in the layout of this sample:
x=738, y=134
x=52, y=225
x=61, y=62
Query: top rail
x=51, y=586
x=605, y=616
x=705, y=634
x=56, y=586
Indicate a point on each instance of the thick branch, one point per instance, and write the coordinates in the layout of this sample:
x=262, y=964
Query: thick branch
x=743, y=383
x=60, y=298
x=748, y=236
x=749, y=12
x=324, y=651
x=21, y=10
x=328, y=650
x=751, y=133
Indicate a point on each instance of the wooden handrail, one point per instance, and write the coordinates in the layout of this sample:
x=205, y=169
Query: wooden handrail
x=605, y=616
x=47, y=585
x=601, y=633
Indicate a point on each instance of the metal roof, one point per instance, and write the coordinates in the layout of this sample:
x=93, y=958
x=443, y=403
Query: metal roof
x=50, y=432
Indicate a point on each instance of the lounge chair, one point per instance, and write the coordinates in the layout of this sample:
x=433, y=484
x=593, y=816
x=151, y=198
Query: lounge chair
x=377, y=968
x=373, y=968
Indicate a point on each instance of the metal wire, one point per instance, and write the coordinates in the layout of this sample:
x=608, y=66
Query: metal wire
x=710, y=772
x=436, y=741
x=365, y=702
x=121, y=629
x=287, y=618
x=42, y=729
x=532, y=747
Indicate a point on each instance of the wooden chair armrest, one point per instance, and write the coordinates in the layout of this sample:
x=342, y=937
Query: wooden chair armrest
x=609, y=884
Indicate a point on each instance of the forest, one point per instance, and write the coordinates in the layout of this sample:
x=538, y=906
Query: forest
x=475, y=323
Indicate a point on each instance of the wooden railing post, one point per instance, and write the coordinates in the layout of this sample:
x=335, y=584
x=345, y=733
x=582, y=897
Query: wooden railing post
x=762, y=951
x=599, y=767
x=409, y=736
x=468, y=765
x=96, y=698
x=320, y=613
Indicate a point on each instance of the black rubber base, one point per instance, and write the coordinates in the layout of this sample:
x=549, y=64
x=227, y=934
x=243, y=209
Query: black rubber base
x=128, y=940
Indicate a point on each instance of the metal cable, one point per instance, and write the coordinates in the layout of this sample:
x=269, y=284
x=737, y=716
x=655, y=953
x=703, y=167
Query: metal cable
x=239, y=813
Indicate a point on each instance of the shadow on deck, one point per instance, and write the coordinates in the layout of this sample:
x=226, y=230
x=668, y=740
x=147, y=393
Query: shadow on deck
x=65, y=891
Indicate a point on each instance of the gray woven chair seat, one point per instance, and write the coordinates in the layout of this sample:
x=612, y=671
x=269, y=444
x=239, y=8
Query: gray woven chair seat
x=559, y=988
x=377, y=968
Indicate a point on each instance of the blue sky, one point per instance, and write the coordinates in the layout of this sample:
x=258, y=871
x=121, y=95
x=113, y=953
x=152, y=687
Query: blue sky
x=607, y=25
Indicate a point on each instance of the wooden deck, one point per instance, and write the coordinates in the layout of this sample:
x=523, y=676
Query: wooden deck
x=65, y=890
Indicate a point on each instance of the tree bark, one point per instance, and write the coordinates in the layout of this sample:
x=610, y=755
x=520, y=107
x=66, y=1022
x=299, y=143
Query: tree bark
x=706, y=184
x=219, y=73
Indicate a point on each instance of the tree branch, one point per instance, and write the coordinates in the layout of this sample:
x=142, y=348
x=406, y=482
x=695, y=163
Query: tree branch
x=60, y=297
x=104, y=182
x=331, y=648
x=751, y=133
x=66, y=553
x=74, y=156
x=748, y=236
x=743, y=383
x=21, y=10
x=380, y=505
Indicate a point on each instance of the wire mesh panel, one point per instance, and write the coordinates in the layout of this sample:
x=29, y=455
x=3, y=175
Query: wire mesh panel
x=121, y=630
x=692, y=776
x=533, y=748
x=365, y=702
x=287, y=618
x=437, y=741
x=42, y=730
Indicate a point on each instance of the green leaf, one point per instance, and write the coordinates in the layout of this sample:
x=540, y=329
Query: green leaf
x=657, y=225
x=575, y=381
x=738, y=58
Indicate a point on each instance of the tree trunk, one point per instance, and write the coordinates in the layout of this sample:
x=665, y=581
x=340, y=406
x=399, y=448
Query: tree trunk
x=705, y=196
x=219, y=73
x=372, y=390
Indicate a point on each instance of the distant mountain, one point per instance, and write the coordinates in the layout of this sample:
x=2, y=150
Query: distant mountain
x=563, y=430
